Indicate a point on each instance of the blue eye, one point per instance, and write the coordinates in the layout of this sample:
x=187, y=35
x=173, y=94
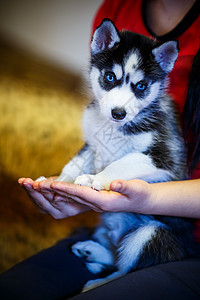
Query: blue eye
x=110, y=77
x=140, y=86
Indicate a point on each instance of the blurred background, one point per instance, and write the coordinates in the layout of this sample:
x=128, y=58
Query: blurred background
x=56, y=30
x=44, y=53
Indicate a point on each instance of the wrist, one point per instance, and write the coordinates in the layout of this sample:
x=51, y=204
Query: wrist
x=142, y=196
x=152, y=198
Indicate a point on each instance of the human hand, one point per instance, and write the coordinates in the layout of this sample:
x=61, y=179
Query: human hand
x=48, y=202
x=130, y=196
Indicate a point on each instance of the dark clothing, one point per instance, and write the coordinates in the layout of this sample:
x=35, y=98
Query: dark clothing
x=50, y=274
x=171, y=281
x=56, y=273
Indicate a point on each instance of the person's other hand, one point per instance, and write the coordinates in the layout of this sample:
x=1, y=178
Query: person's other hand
x=48, y=202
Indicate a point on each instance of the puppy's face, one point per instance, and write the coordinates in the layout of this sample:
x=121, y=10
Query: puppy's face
x=123, y=89
x=126, y=74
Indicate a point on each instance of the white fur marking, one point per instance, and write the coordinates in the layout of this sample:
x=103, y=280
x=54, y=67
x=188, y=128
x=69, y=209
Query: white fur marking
x=132, y=246
x=142, y=141
x=136, y=76
x=154, y=91
x=94, y=79
x=130, y=166
x=131, y=68
x=131, y=63
x=117, y=69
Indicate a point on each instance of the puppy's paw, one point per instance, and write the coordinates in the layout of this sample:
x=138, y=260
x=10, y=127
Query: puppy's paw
x=100, y=183
x=93, y=252
x=41, y=178
x=85, y=179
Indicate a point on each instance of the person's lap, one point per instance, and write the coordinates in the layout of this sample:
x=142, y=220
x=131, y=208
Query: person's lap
x=177, y=280
x=55, y=273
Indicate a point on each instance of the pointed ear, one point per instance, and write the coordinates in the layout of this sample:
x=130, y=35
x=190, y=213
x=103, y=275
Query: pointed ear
x=166, y=55
x=105, y=36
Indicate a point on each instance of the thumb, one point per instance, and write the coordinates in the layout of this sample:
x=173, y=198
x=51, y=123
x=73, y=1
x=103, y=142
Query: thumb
x=121, y=186
x=130, y=187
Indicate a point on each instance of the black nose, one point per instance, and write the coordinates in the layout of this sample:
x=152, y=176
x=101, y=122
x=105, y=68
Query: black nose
x=118, y=113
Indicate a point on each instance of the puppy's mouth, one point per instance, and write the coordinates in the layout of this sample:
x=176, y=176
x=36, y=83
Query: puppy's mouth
x=118, y=114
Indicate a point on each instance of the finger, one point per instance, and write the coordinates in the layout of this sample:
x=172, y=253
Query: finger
x=42, y=211
x=56, y=197
x=42, y=187
x=69, y=209
x=38, y=198
x=117, y=186
x=77, y=202
x=45, y=188
x=73, y=189
x=49, y=196
x=97, y=200
x=58, y=187
x=42, y=183
x=21, y=180
x=25, y=182
x=61, y=190
x=44, y=205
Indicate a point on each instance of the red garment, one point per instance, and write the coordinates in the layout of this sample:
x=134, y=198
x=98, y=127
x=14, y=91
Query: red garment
x=130, y=15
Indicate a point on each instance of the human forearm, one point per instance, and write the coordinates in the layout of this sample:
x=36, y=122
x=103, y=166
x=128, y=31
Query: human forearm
x=176, y=198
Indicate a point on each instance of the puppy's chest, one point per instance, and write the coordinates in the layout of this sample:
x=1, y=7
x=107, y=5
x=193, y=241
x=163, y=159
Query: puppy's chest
x=109, y=143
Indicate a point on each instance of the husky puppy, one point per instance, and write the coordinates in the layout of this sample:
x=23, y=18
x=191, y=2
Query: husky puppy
x=131, y=131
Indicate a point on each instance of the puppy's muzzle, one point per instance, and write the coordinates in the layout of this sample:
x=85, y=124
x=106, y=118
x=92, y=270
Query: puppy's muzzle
x=118, y=113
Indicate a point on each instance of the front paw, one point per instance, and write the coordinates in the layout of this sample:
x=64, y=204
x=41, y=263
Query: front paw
x=97, y=182
x=85, y=179
x=101, y=183
x=41, y=178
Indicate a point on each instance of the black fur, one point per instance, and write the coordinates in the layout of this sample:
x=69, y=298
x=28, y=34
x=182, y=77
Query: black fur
x=130, y=40
x=163, y=247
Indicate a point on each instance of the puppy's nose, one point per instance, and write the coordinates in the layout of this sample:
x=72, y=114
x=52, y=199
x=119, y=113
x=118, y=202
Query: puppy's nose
x=118, y=113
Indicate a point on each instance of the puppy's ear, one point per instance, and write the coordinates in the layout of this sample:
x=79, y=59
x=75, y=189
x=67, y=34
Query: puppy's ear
x=105, y=36
x=166, y=55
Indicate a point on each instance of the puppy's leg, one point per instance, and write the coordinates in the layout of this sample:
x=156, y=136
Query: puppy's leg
x=85, y=179
x=133, y=165
x=98, y=282
x=81, y=163
x=97, y=257
x=148, y=245
x=130, y=253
